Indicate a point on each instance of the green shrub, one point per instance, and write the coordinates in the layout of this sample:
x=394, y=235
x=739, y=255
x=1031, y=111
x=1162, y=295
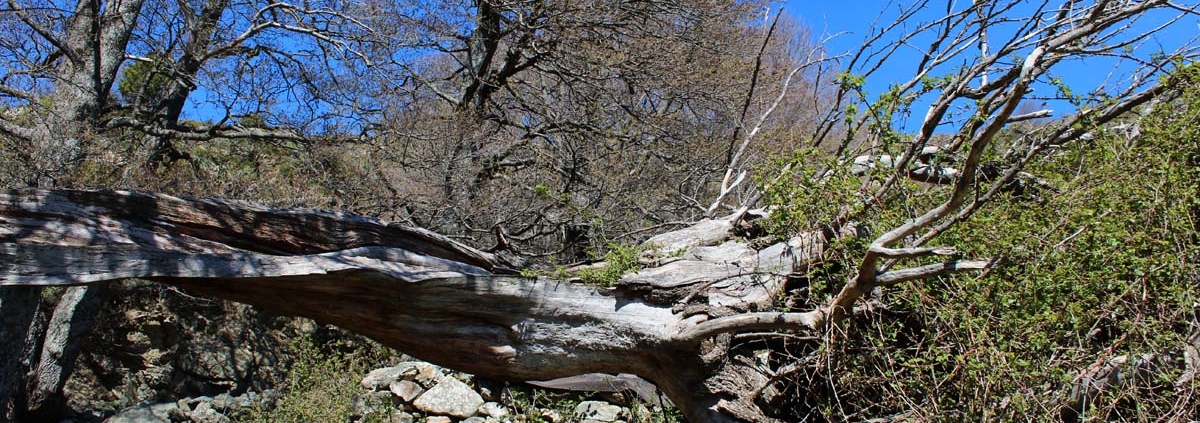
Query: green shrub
x=619, y=261
x=323, y=383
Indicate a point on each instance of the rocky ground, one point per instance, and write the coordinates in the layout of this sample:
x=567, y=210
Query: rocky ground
x=413, y=391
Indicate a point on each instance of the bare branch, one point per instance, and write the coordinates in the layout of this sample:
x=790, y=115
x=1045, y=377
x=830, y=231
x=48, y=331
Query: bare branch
x=747, y=322
x=894, y=277
x=61, y=47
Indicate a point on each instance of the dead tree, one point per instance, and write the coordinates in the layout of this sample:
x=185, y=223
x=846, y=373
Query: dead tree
x=427, y=295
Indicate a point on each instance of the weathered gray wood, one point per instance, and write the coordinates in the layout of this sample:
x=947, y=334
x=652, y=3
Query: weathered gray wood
x=416, y=291
x=430, y=296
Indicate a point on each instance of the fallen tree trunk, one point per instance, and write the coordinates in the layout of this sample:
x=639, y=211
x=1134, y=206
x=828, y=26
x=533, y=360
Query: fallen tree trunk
x=428, y=295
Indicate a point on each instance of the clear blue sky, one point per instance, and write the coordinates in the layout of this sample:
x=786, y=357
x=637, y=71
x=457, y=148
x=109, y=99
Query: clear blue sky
x=853, y=18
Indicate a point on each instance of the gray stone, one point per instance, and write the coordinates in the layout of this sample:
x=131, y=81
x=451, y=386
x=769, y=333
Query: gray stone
x=197, y=400
x=599, y=411
x=183, y=406
x=270, y=398
x=400, y=417
x=421, y=372
x=204, y=413
x=223, y=402
x=151, y=413
x=451, y=398
x=379, y=379
x=438, y=419
x=475, y=420
x=492, y=409
x=247, y=399
x=406, y=390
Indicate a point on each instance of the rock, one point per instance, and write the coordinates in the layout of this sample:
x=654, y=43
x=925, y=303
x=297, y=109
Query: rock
x=194, y=401
x=424, y=373
x=475, y=420
x=421, y=372
x=400, y=417
x=223, y=402
x=551, y=416
x=380, y=378
x=270, y=398
x=204, y=413
x=492, y=409
x=438, y=419
x=598, y=411
x=183, y=406
x=151, y=413
x=449, y=397
x=406, y=390
x=248, y=399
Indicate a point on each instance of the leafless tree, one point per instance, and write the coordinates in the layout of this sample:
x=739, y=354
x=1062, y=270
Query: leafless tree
x=554, y=124
x=61, y=61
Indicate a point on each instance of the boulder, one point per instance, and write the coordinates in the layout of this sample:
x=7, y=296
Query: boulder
x=406, y=390
x=150, y=413
x=380, y=379
x=492, y=409
x=449, y=397
x=598, y=411
x=204, y=413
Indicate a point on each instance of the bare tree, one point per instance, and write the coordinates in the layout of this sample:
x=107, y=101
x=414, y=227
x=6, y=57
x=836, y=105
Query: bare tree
x=555, y=124
x=675, y=322
x=61, y=64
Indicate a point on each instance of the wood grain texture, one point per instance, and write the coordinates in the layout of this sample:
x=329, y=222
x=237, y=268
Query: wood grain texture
x=411, y=289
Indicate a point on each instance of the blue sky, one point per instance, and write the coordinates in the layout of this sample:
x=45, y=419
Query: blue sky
x=848, y=23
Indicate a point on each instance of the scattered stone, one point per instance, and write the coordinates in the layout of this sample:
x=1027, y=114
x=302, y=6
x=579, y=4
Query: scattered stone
x=475, y=420
x=424, y=373
x=438, y=419
x=598, y=411
x=183, y=405
x=270, y=397
x=421, y=372
x=463, y=377
x=400, y=417
x=380, y=378
x=493, y=409
x=551, y=416
x=223, y=402
x=449, y=397
x=407, y=390
x=152, y=413
x=204, y=413
x=248, y=399
x=193, y=402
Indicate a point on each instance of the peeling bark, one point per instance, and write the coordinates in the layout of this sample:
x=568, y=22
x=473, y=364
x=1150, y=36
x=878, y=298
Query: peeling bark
x=421, y=293
x=427, y=295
